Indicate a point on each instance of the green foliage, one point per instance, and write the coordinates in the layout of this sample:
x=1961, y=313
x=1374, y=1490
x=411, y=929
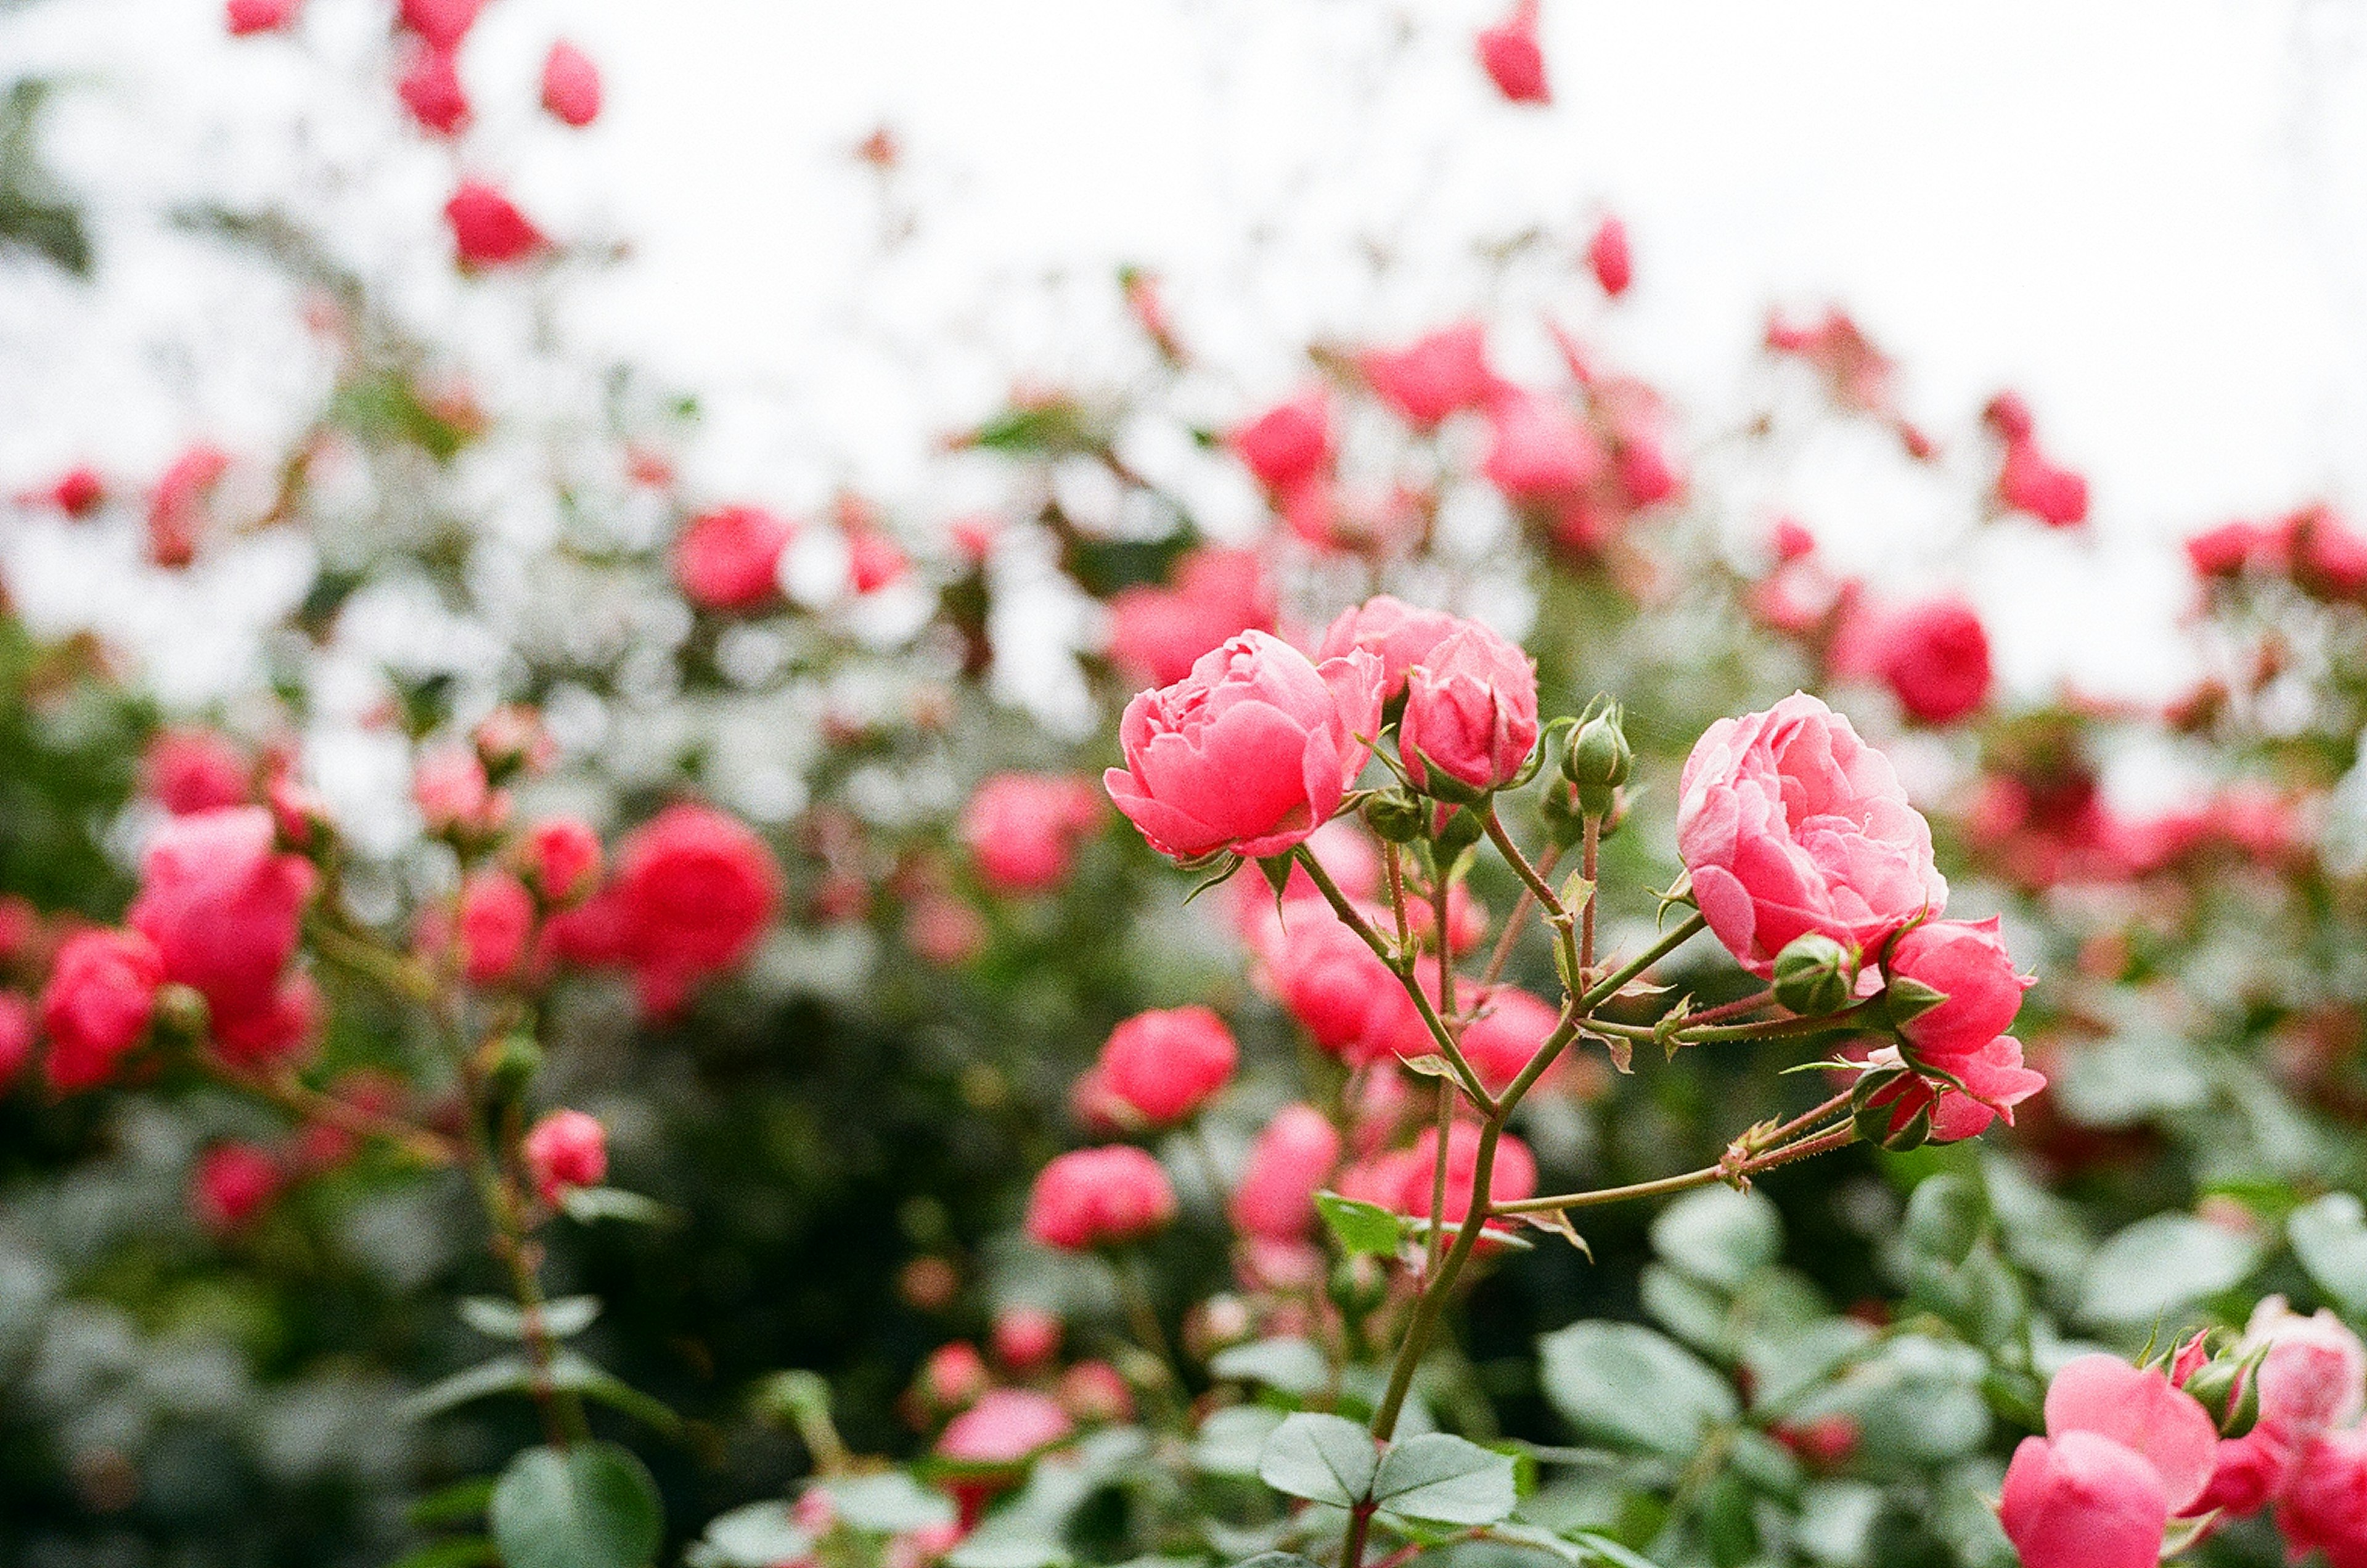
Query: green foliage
x=588, y=1506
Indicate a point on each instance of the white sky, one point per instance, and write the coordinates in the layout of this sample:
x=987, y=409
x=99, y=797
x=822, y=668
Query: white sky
x=2148, y=215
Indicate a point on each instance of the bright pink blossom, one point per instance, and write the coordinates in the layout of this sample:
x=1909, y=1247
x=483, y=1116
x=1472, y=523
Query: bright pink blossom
x=561, y=857
x=1252, y=752
x=487, y=227
x=1471, y=710
x=233, y=1184
x=1290, y=443
x=2325, y=1504
x=1514, y=58
x=2082, y=1501
x=566, y=1149
x=1608, y=255
x=246, y=18
x=192, y=770
x=1027, y=1339
x=18, y=1026
x=441, y=24
x=1343, y=996
x=176, y=506
x=1158, y=633
x=1512, y=1025
x=1935, y=657
x=1400, y=634
x=430, y=88
x=1441, y=373
x=78, y=493
x=2029, y=481
x=223, y=906
x=1511, y=1177
x=729, y=558
x=101, y=993
x=1167, y=1062
x=1789, y=823
x=1542, y=452
x=1965, y=961
x=571, y=84
x=496, y=923
x=1005, y=1426
x=1089, y=1198
x=1023, y=829
x=1290, y=1159
x=1994, y=1081
x=694, y=890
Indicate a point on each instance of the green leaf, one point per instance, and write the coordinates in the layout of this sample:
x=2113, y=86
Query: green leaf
x=1324, y=1459
x=497, y=1319
x=1445, y=1480
x=758, y=1536
x=2329, y=1236
x=456, y=1503
x=1361, y=1228
x=890, y=1504
x=463, y=1552
x=573, y=1372
x=588, y=1506
x=1719, y=1235
x=2161, y=1264
x=503, y=1374
x=1233, y=1440
x=1626, y=1385
x=586, y=1204
x=1945, y=1218
x=1293, y=1366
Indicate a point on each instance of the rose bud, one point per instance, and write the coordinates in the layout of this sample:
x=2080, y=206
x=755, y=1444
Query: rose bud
x=430, y=88
x=1598, y=759
x=1439, y=374
x=1293, y=1156
x=561, y=857
x=1935, y=658
x=176, y=506
x=223, y=906
x=729, y=559
x=233, y=1184
x=1966, y=962
x=246, y=18
x=566, y=1149
x=954, y=1376
x=1252, y=752
x=571, y=84
x=1400, y=634
x=1290, y=443
x=1470, y=715
x=1607, y=256
x=1089, y=1198
x=1094, y=1392
x=1512, y=1177
x=95, y=1007
x=495, y=924
x=194, y=770
x=1816, y=975
x=1512, y=58
x=1023, y=829
x=440, y=24
x=1027, y=1339
x=487, y=228
x=78, y=493
x=1166, y=1064
x=454, y=795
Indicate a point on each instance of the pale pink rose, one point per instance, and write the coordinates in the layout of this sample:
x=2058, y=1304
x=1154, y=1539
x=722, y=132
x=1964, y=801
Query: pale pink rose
x=1004, y=1426
x=1542, y=452
x=1471, y=711
x=1789, y=823
x=1400, y=634
x=2082, y=1501
x=1023, y=829
x=1252, y=752
x=1442, y=374
x=571, y=84
x=1167, y=1062
x=1291, y=1158
x=2325, y=1504
x=1290, y=443
x=1089, y=1198
x=454, y=795
x=2138, y=1409
x=1966, y=960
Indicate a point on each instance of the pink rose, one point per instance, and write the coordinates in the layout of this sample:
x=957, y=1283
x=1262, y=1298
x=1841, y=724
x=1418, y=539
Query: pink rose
x=2082, y=1501
x=566, y=1149
x=1157, y=634
x=873, y=560
x=2328, y=560
x=2028, y=481
x=1290, y=443
x=954, y=1376
x=1541, y=451
x=1252, y=752
x=176, y=506
x=487, y=228
x=1607, y=254
x=101, y=993
x=454, y=795
x=246, y=18
x=1965, y=961
x=1512, y=57
x=695, y=889
x=2325, y=1505
x=280, y=1030
x=233, y=1183
x=1789, y=823
x=1342, y=994
x=18, y=1028
x=1507, y=1034
x=1025, y=1339
x=1089, y=1198
x=1097, y=1392
x=441, y=24
x=1291, y=1158
x=1512, y=1178
x=1005, y=1428
x=1023, y=829
x=1994, y=1082
x=1434, y=376
x=561, y=857
x=223, y=906
x=78, y=493
x=571, y=84
x=1167, y=1063
x=2138, y=1409
x=496, y=922
x=1400, y=634
x=430, y=88
x=729, y=558
x=2233, y=548
x=196, y=770
x=1471, y=711
x=1935, y=657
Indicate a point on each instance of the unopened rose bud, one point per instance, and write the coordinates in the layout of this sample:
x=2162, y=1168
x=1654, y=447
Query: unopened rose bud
x=1395, y=816
x=2231, y=1392
x=1815, y=976
x=1598, y=759
x=566, y=1149
x=1907, y=999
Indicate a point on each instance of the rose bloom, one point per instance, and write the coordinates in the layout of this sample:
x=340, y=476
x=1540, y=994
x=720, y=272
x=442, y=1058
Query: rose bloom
x=1157, y=634
x=1510, y=53
x=283, y=1029
x=497, y=924
x=1290, y=1159
x=2313, y=1380
x=1512, y=1177
x=431, y=90
x=1005, y=1428
x=1994, y=1081
x=223, y=906
x=233, y=1183
x=78, y=493
x=195, y=769
x=1608, y=255
x=1290, y=443
x=1023, y=829
x=18, y=1028
x=1025, y=1339
x=1512, y=1025
x=729, y=560
x=101, y=993
x=1542, y=452
x=1337, y=991
x=1167, y=1063
x=1967, y=962
x=176, y=506
x=2233, y=548
x=1934, y=656
x=1400, y=634
x=454, y=795
x=2328, y=560
x=2325, y=1505
x=2029, y=482
x=1471, y=711
x=1789, y=823
x=441, y=24
x=1089, y=1198
x=566, y=1148
x=1442, y=374
x=246, y=18
x=561, y=856
x=571, y=84
x=2124, y=1452
x=695, y=889
x=1252, y=752
x=487, y=228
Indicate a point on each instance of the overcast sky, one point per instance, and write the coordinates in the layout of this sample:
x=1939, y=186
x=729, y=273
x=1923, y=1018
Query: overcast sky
x=2151, y=217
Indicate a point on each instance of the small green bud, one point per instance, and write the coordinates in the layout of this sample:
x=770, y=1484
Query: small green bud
x=1558, y=807
x=515, y=1060
x=1456, y=834
x=1598, y=759
x=181, y=1014
x=2229, y=1388
x=1907, y=999
x=1358, y=1285
x=1815, y=976
x=1396, y=816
